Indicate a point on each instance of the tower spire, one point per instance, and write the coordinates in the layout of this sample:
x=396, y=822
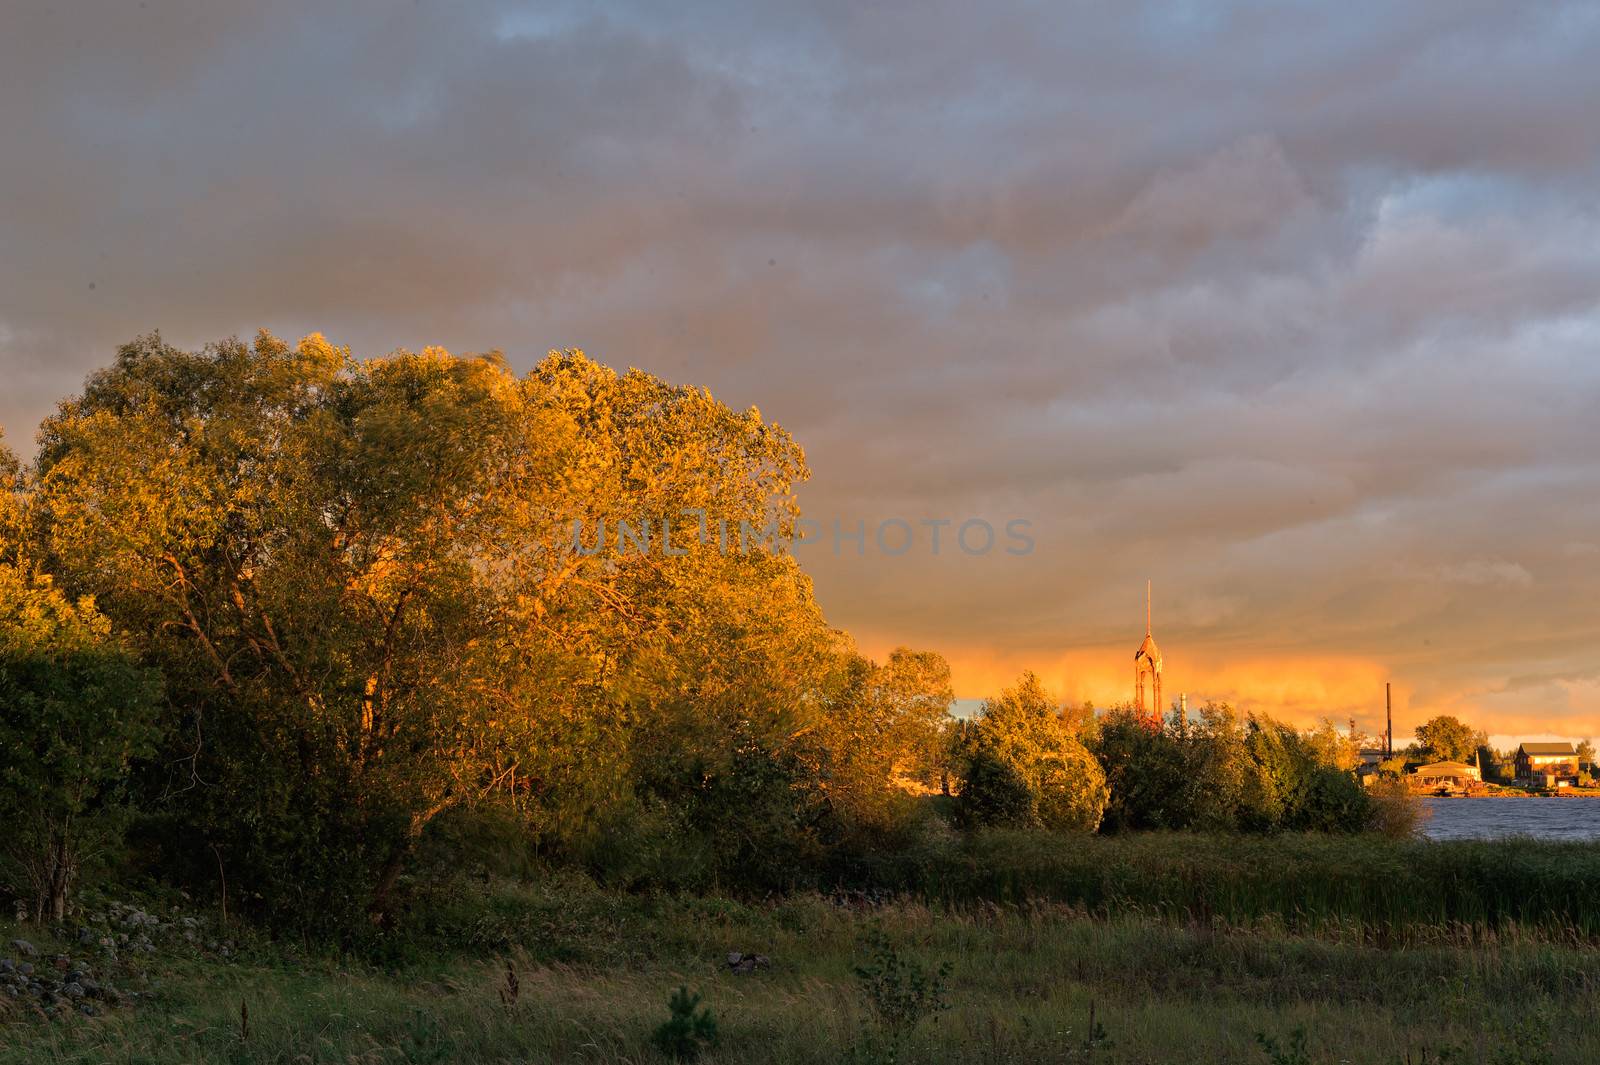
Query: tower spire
x=1147, y=663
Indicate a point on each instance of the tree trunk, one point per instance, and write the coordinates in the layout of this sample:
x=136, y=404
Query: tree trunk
x=395, y=864
x=388, y=877
x=59, y=878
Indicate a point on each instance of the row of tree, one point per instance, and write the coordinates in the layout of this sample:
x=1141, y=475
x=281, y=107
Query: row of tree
x=1023, y=762
x=288, y=615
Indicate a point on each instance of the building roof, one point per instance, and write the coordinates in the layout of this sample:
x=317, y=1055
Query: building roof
x=1548, y=748
x=1149, y=650
x=1445, y=769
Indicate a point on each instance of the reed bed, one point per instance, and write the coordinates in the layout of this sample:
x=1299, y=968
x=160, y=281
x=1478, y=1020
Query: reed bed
x=1376, y=887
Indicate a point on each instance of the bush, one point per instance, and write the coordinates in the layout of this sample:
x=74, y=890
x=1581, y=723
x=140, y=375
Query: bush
x=688, y=1030
x=992, y=794
x=901, y=992
x=1330, y=800
x=1021, y=765
x=1394, y=809
x=78, y=710
x=1071, y=790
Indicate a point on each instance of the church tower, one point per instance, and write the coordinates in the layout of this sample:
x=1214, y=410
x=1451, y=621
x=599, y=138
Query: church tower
x=1147, y=663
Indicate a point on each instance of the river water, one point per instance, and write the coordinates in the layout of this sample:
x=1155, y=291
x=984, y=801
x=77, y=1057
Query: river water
x=1488, y=818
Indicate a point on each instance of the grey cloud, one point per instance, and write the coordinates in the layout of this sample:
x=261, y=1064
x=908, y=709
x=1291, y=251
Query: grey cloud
x=1270, y=303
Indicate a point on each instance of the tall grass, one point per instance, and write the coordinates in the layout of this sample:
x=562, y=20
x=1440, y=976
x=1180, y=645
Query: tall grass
x=1384, y=887
x=595, y=967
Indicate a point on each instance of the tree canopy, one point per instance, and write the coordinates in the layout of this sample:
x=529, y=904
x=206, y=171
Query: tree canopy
x=1449, y=738
x=384, y=589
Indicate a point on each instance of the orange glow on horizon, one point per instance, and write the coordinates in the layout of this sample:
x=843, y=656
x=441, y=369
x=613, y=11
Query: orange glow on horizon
x=1301, y=690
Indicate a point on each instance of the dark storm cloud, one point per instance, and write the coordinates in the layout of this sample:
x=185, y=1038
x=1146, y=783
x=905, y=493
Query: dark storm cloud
x=1291, y=307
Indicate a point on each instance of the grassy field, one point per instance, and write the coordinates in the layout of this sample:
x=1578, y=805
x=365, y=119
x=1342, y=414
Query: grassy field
x=594, y=970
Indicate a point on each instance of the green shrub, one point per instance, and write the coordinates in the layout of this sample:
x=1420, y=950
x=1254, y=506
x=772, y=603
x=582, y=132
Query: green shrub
x=688, y=1030
x=1396, y=811
x=992, y=794
x=78, y=710
x=900, y=991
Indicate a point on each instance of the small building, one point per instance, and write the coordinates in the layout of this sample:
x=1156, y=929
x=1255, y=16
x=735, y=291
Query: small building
x=1550, y=765
x=1373, y=755
x=1454, y=776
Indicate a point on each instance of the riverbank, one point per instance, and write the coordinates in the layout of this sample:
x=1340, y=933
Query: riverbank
x=1510, y=791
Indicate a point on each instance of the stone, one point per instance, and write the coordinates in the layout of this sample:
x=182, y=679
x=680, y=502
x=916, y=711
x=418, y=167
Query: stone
x=23, y=947
x=740, y=962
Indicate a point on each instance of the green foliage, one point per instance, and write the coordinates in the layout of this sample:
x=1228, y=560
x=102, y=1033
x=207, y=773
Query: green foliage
x=881, y=723
x=688, y=1030
x=350, y=570
x=1294, y=789
x=11, y=505
x=993, y=794
x=1221, y=774
x=1020, y=764
x=1149, y=773
x=1446, y=738
x=1396, y=811
x=1294, y=1052
x=79, y=710
x=900, y=991
x=1311, y=880
x=742, y=802
x=1531, y=1042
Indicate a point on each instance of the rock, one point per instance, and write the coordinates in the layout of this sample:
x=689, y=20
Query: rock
x=7, y=965
x=86, y=935
x=747, y=963
x=87, y=1009
x=26, y=968
x=23, y=947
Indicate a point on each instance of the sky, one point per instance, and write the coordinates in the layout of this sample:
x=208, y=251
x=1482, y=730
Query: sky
x=1291, y=309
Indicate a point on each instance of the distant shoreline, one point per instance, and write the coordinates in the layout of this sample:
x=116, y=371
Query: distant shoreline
x=1587, y=793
